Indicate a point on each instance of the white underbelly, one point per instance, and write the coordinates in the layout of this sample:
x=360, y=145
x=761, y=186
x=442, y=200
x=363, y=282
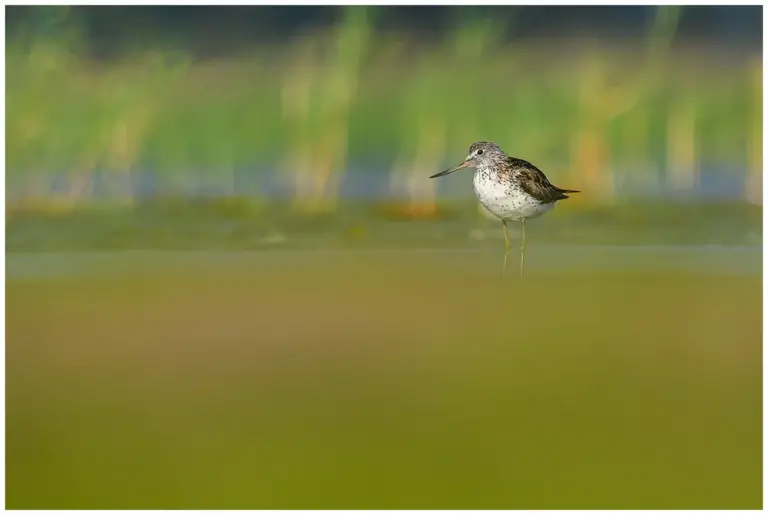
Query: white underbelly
x=507, y=202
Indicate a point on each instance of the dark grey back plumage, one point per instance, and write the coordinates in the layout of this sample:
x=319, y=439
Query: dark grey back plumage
x=535, y=183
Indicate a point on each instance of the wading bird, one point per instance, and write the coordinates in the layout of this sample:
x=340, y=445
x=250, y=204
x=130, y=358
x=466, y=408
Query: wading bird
x=509, y=188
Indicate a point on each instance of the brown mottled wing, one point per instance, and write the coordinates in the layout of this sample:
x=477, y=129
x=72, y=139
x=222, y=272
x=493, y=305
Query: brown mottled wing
x=535, y=183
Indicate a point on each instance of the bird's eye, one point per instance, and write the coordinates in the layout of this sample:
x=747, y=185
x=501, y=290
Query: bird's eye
x=479, y=152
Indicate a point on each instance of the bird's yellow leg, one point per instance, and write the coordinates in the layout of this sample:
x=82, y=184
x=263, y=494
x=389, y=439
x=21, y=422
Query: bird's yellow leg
x=507, y=247
x=522, y=252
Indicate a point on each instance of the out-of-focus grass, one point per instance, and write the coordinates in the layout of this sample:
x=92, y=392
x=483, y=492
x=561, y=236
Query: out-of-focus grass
x=383, y=381
x=590, y=108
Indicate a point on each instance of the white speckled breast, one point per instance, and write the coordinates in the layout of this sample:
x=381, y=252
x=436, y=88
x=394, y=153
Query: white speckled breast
x=503, y=197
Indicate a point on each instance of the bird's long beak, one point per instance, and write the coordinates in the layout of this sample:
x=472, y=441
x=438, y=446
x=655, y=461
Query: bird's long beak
x=465, y=164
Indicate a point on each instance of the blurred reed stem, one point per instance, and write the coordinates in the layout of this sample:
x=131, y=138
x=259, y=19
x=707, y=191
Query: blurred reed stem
x=331, y=89
x=754, y=182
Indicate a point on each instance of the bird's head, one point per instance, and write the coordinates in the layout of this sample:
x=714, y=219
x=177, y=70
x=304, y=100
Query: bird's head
x=481, y=154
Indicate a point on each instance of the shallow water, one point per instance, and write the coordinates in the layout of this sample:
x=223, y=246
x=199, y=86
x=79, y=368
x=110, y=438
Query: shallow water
x=708, y=259
x=371, y=181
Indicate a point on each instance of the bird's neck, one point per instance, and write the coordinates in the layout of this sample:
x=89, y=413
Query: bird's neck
x=484, y=172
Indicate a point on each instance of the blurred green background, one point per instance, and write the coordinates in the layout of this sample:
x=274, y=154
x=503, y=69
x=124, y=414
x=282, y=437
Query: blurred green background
x=231, y=284
x=226, y=124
